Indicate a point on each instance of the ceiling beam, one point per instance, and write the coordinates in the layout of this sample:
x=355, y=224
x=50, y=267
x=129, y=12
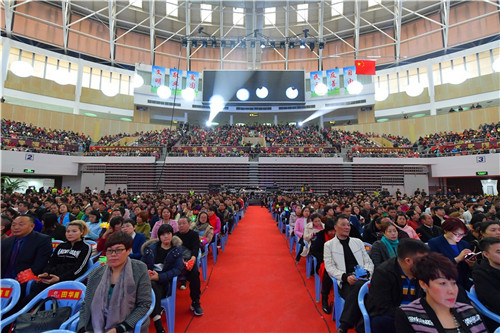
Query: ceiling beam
x=9, y=14
x=357, y=24
x=152, y=31
x=445, y=20
x=398, y=12
x=112, y=29
x=66, y=16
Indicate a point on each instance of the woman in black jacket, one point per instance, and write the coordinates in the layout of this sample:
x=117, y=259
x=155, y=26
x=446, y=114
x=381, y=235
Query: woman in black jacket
x=52, y=228
x=163, y=257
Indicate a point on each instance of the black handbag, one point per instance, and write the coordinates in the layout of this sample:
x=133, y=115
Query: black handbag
x=42, y=320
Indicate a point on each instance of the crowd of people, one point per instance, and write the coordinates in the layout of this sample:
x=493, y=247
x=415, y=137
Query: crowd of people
x=484, y=140
x=425, y=253
x=162, y=233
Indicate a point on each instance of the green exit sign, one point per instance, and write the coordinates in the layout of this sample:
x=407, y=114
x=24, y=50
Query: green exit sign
x=482, y=173
x=29, y=171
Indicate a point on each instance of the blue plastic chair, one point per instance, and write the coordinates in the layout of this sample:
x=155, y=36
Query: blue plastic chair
x=10, y=292
x=55, y=243
x=59, y=331
x=287, y=231
x=480, y=307
x=338, y=303
x=213, y=246
x=292, y=241
x=74, y=303
x=138, y=325
x=168, y=304
x=90, y=267
x=317, y=280
x=202, y=262
x=361, y=301
x=497, y=330
x=224, y=237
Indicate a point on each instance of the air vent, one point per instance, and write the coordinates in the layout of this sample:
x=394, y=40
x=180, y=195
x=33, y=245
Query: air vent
x=297, y=107
x=151, y=101
x=361, y=101
x=251, y=108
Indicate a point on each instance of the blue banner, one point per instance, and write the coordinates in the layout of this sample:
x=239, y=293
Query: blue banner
x=192, y=80
x=316, y=78
x=349, y=76
x=333, y=81
x=175, y=80
x=157, y=77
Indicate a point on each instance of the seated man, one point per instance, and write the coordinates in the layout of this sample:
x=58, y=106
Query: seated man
x=427, y=229
x=486, y=276
x=393, y=284
x=317, y=249
x=25, y=249
x=341, y=255
x=191, y=245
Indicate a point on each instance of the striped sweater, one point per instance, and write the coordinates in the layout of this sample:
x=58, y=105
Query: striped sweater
x=418, y=316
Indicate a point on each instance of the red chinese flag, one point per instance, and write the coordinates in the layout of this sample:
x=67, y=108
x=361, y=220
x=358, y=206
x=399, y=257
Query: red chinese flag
x=365, y=67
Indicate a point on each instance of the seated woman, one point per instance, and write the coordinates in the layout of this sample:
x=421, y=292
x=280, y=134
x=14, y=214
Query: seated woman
x=385, y=248
x=65, y=217
x=129, y=227
x=52, y=228
x=166, y=218
x=115, y=224
x=163, y=258
x=143, y=226
x=204, y=229
x=310, y=231
x=214, y=220
x=439, y=310
x=68, y=261
x=94, y=225
x=293, y=218
x=300, y=224
x=86, y=213
x=455, y=248
x=118, y=294
x=401, y=223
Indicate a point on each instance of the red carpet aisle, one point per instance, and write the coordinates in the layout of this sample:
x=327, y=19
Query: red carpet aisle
x=254, y=286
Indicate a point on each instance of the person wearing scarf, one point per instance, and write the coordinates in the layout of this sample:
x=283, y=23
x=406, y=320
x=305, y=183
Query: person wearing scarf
x=386, y=247
x=118, y=294
x=66, y=217
x=213, y=219
x=204, y=229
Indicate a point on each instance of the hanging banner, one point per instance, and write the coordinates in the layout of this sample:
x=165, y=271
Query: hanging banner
x=157, y=78
x=316, y=78
x=192, y=80
x=333, y=81
x=175, y=81
x=349, y=76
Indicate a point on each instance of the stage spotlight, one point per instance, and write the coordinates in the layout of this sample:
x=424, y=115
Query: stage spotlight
x=184, y=42
x=414, y=89
x=292, y=92
x=381, y=94
x=252, y=44
x=204, y=44
x=261, y=92
x=282, y=45
x=321, y=89
x=21, y=68
x=243, y=94
x=233, y=44
x=243, y=44
x=300, y=123
x=214, y=44
x=302, y=45
x=216, y=105
x=208, y=123
x=311, y=45
x=164, y=92
x=355, y=87
x=188, y=94
x=273, y=44
x=321, y=46
x=262, y=44
x=194, y=43
x=223, y=44
x=291, y=45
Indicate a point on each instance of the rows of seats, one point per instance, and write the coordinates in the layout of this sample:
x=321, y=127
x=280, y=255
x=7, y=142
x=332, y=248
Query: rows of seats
x=280, y=140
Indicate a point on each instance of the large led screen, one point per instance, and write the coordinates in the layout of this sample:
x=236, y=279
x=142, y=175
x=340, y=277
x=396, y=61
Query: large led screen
x=255, y=87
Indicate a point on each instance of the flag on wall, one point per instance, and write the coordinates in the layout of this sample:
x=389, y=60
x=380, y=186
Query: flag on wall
x=316, y=78
x=157, y=77
x=175, y=80
x=365, y=67
x=333, y=81
x=349, y=75
x=192, y=80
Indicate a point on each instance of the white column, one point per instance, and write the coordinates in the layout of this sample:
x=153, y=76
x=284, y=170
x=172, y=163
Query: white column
x=185, y=117
x=78, y=88
x=275, y=119
x=231, y=119
x=321, y=122
x=430, y=78
x=5, y=63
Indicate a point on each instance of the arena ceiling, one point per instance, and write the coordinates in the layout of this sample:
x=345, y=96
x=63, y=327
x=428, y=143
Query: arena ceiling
x=325, y=22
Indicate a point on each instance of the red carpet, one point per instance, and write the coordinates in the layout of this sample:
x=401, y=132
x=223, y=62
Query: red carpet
x=255, y=286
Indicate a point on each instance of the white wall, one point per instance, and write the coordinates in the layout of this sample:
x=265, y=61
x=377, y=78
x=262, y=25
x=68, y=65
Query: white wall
x=301, y=160
x=93, y=180
x=412, y=182
x=466, y=166
x=206, y=160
